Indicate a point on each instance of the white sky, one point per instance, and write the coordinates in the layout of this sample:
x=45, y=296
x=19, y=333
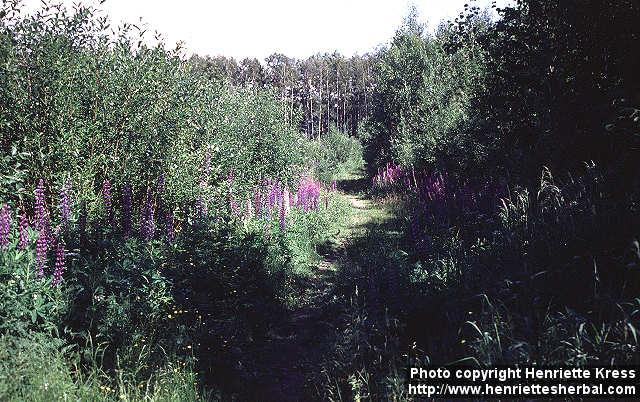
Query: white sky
x=258, y=28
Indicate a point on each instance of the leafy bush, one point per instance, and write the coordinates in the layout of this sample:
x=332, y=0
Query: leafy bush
x=334, y=154
x=102, y=108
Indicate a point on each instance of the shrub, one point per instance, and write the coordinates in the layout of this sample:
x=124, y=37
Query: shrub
x=334, y=155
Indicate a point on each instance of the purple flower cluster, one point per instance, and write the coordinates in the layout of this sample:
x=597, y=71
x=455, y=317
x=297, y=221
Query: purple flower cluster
x=58, y=269
x=23, y=235
x=308, y=194
x=170, y=227
x=393, y=174
x=5, y=225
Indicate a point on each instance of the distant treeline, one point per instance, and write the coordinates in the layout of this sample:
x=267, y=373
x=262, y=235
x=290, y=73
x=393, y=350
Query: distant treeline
x=323, y=90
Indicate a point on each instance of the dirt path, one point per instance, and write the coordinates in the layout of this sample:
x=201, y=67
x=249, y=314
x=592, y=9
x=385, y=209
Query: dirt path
x=297, y=345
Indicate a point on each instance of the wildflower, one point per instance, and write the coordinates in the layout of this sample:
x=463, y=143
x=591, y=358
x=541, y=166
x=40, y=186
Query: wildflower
x=59, y=265
x=170, y=226
x=41, y=252
x=126, y=210
x=23, y=236
x=5, y=225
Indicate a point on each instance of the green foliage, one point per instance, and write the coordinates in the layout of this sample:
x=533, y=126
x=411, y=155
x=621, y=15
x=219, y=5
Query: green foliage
x=28, y=304
x=97, y=108
x=422, y=99
x=334, y=155
x=37, y=369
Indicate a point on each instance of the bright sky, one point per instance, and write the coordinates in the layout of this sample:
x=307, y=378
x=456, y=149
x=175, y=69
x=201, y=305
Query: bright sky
x=258, y=28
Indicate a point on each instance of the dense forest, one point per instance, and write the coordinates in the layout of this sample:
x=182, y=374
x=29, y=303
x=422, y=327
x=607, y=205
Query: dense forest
x=202, y=228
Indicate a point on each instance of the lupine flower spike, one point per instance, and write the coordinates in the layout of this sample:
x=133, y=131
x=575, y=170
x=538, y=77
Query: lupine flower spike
x=41, y=252
x=59, y=265
x=5, y=225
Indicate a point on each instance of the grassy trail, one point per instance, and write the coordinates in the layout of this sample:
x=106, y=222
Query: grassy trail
x=289, y=363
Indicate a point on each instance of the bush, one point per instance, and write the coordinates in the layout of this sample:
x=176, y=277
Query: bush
x=334, y=155
x=102, y=108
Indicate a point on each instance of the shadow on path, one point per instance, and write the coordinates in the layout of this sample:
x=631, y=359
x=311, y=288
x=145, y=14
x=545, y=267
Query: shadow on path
x=289, y=362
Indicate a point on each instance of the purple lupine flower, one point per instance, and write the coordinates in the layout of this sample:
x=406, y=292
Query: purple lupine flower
x=127, y=197
x=147, y=222
x=106, y=198
x=59, y=265
x=41, y=252
x=65, y=204
x=170, y=226
x=39, y=205
x=5, y=225
x=23, y=236
x=334, y=185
